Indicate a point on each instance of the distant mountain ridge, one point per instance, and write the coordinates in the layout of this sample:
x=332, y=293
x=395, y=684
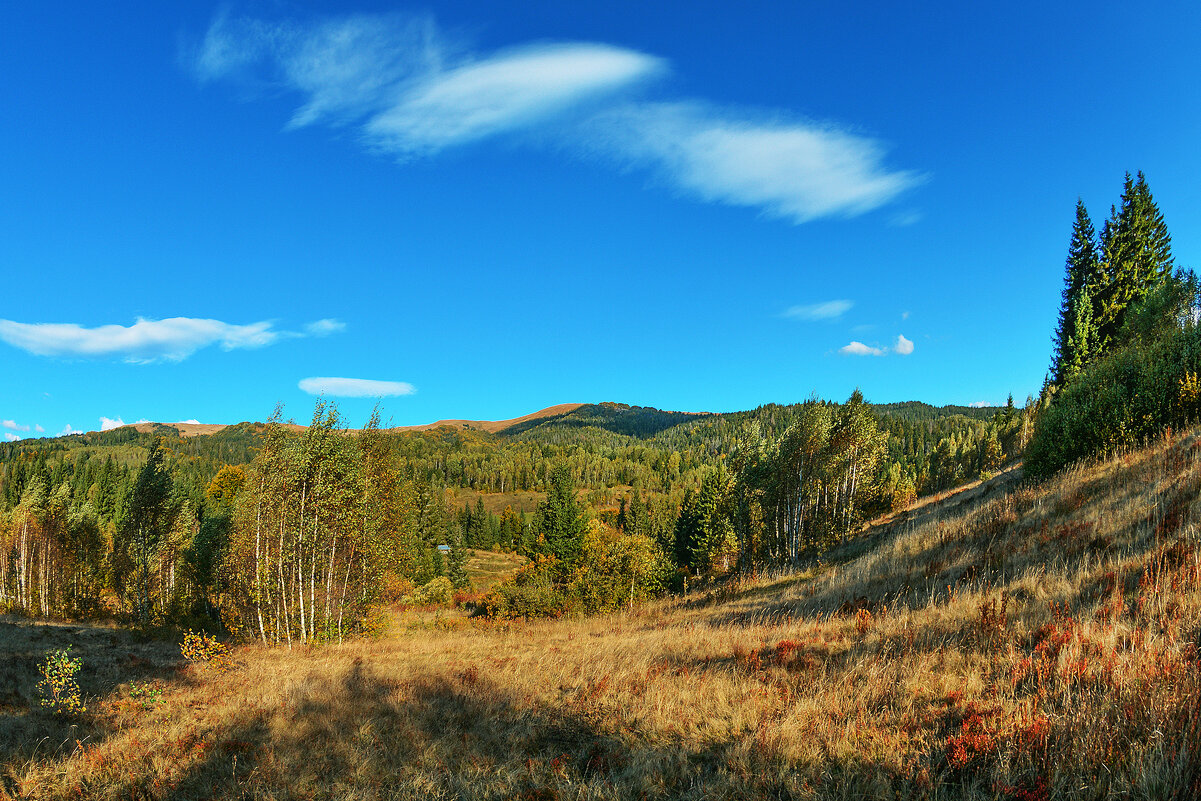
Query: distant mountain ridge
x=619, y=418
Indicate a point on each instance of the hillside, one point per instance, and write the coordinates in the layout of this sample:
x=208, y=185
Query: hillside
x=1013, y=640
x=495, y=426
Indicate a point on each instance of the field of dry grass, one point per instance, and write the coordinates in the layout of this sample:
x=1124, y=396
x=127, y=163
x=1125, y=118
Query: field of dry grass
x=486, y=569
x=1015, y=641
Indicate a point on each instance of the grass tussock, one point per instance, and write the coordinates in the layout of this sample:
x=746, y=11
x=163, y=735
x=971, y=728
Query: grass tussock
x=1018, y=640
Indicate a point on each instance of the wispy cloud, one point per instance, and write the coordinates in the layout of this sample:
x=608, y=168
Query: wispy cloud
x=39, y=429
x=12, y=425
x=905, y=218
x=830, y=310
x=503, y=93
x=323, y=328
x=146, y=341
x=108, y=424
x=11, y=437
x=903, y=346
x=355, y=387
x=410, y=92
x=67, y=429
x=859, y=349
x=981, y=404
x=791, y=169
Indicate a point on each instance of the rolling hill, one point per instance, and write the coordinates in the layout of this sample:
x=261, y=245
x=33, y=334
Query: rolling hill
x=1014, y=640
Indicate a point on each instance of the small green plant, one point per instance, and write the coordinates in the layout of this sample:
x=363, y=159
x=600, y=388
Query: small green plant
x=147, y=693
x=58, y=687
x=201, y=647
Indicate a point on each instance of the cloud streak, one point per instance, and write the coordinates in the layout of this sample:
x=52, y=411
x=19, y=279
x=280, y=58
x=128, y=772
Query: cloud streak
x=355, y=387
x=146, y=341
x=504, y=93
x=795, y=170
x=410, y=92
x=830, y=310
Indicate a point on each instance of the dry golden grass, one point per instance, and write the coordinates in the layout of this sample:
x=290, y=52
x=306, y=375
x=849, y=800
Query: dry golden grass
x=1015, y=641
x=486, y=569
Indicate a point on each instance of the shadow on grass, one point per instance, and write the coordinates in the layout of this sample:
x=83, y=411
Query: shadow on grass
x=110, y=657
x=361, y=735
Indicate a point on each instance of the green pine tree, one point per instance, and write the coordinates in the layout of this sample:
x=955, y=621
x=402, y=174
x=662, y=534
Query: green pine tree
x=1072, y=346
x=1136, y=257
x=560, y=520
x=456, y=563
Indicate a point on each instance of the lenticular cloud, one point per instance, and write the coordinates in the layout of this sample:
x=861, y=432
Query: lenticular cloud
x=147, y=341
x=412, y=93
x=354, y=387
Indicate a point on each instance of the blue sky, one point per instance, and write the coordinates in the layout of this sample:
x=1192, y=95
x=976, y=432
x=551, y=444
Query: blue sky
x=477, y=210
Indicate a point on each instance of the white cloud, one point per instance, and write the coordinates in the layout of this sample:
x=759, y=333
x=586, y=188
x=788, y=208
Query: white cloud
x=11, y=437
x=504, y=93
x=147, y=341
x=355, y=387
x=794, y=170
x=68, y=430
x=981, y=404
x=323, y=328
x=13, y=426
x=410, y=92
x=859, y=349
x=39, y=429
x=108, y=424
x=903, y=346
x=186, y=423
x=830, y=310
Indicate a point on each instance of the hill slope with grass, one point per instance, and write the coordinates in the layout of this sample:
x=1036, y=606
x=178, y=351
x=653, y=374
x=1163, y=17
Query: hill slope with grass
x=1013, y=640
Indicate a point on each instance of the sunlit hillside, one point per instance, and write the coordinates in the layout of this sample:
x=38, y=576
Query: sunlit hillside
x=1014, y=640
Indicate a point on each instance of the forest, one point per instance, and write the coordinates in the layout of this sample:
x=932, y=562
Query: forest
x=290, y=532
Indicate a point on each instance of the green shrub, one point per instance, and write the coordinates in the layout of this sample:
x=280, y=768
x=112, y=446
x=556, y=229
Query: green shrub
x=435, y=592
x=58, y=687
x=1120, y=401
x=531, y=592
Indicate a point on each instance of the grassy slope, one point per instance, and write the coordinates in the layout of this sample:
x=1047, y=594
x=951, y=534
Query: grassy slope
x=1013, y=641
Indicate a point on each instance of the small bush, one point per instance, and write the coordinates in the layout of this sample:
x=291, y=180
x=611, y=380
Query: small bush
x=393, y=587
x=58, y=687
x=435, y=592
x=205, y=649
x=531, y=592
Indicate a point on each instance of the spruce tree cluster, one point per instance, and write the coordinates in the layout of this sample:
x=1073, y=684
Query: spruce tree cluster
x=1108, y=274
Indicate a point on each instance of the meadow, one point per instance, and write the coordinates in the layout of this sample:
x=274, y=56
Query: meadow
x=1017, y=639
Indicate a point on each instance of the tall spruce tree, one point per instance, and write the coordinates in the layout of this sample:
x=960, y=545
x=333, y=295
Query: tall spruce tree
x=1136, y=257
x=1074, y=336
x=560, y=519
